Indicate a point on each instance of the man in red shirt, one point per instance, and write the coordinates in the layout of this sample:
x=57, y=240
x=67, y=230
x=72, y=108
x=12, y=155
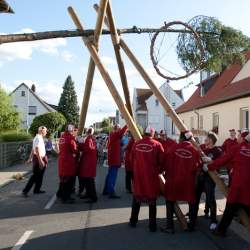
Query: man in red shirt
x=129, y=165
x=67, y=164
x=166, y=142
x=239, y=192
x=205, y=183
x=87, y=166
x=114, y=159
x=181, y=166
x=147, y=158
x=229, y=142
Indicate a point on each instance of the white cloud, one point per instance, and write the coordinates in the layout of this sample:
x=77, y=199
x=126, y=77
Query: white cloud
x=24, y=50
x=67, y=56
x=106, y=60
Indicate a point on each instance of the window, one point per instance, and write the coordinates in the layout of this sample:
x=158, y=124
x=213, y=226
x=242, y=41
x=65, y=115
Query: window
x=173, y=104
x=32, y=110
x=202, y=90
x=244, y=118
x=22, y=93
x=201, y=122
x=173, y=128
x=191, y=122
x=216, y=122
x=156, y=103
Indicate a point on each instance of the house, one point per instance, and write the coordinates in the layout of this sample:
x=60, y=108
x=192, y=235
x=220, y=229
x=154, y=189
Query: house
x=220, y=102
x=139, y=106
x=157, y=117
x=29, y=104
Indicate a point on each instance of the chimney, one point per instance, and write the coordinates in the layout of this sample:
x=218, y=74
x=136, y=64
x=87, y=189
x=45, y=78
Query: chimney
x=33, y=88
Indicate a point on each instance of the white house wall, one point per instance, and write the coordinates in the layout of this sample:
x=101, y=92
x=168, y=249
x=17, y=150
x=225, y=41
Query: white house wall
x=22, y=103
x=229, y=116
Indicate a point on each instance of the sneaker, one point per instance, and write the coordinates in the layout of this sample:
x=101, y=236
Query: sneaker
x=24, y=194
x=114, y=196
x=213, y=226
x=40, y=192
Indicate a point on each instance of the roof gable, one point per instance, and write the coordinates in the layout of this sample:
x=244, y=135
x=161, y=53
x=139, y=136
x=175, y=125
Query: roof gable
x=222, y=90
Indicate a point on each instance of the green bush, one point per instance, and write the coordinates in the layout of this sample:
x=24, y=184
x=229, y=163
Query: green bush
x=53, y=121
x=12, y=136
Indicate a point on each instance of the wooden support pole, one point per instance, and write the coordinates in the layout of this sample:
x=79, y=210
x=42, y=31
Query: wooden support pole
x=91, y=67
x=110, y=23
x=106, y=77
x=178, y=122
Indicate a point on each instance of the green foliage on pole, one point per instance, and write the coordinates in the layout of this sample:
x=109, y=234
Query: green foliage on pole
x=222, y=45
x=9, y=117
x=53, y=121
x=68, y=102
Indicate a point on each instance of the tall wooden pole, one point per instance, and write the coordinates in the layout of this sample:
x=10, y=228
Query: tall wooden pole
x=91, y=67
x=178, y=122
x=115, y=40
x=115, y=94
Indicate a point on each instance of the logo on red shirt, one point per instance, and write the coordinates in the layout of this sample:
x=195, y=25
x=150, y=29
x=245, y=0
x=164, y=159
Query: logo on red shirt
x=245, y=152
x=144, y=148
x=183, y=153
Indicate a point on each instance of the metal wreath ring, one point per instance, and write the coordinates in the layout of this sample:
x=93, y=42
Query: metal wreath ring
x=198, y=42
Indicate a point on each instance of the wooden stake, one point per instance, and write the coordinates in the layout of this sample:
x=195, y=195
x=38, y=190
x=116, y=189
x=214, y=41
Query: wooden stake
x=115, y=40
x=91, y=67
x=115, y=94
x=178, y=122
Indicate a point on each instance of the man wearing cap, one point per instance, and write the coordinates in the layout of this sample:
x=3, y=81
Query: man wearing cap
x=114, y=159
x=205, y=182
x=87, y=166
x=39, y=160
x=181, y=165
x=67, y=164
x=147, y=158
x=166, y=142
x=239, y=192
x=229, y=142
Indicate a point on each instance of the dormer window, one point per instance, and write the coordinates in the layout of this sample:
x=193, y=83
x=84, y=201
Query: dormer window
x=202, y=90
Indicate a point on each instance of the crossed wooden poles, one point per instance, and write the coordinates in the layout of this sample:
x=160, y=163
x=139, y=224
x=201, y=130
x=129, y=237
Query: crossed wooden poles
x=92, y=43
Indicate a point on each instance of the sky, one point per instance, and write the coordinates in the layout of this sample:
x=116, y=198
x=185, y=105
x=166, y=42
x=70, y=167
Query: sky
x=47, y=63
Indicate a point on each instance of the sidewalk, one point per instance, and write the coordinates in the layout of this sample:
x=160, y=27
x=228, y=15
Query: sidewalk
x=7, y=174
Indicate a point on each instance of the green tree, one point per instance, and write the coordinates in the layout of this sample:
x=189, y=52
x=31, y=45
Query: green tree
x=53, y=121
x=68, y=102
x=9, y=117
x=105, y=122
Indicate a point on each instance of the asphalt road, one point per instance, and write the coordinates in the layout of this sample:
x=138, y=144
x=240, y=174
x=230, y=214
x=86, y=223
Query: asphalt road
x=26, y=224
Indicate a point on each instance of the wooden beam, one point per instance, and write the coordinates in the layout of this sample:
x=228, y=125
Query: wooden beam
x=178, y=122
x=106, y=77
x=110, y=23
x=91, y=67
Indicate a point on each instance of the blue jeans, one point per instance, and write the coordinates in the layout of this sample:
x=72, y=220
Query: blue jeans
x=111, y=180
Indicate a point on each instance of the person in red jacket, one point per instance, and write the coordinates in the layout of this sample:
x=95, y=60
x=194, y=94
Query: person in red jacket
x=181, y=165
x=67, y=164
x=87, y=166
x=129, y=165
x=239, y=192
x=229, y=142
x=166, y=142
x=114, y=159
x=205, y=183
x=147, y=157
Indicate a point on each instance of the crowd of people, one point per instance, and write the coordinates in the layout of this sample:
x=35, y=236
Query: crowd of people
x=183, y=166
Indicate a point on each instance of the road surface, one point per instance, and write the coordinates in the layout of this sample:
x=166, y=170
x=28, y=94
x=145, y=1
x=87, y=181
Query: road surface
x=39, y=222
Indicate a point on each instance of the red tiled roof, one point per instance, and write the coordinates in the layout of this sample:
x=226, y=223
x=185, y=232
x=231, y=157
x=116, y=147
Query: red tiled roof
x=222, y=90
x=142, y=96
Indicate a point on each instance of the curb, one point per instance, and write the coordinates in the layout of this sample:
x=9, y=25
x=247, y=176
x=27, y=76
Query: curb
x=12, y=180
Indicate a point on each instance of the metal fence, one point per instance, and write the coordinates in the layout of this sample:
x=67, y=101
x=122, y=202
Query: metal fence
x=14, y=152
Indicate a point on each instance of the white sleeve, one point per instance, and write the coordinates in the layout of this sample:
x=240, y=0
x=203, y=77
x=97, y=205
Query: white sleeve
x=36, y=142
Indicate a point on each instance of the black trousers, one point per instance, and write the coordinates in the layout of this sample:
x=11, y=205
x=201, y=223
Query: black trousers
x=205, y=182
x=88, y=183
x=35, y=179
x=170, y=214
x=65, y=187
x=136, y=205
x=128, y=180
x=229, y=213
